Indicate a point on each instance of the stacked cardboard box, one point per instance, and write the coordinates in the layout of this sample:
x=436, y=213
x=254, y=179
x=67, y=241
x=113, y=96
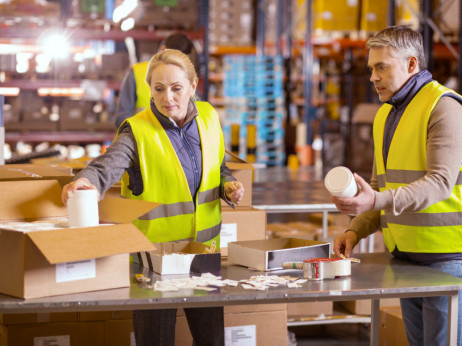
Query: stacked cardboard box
x=392, y=330
x=249, y=325
x=108, y=328
x=231, y=22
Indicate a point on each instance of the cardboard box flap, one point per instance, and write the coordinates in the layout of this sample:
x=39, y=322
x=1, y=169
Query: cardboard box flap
x=187, y=247
x=11, y=171
x=237, y=163
x=31, y=200
x=122, y=210
x=75, y=244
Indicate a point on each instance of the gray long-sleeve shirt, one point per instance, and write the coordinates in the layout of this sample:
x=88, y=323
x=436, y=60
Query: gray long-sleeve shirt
x=122, y=155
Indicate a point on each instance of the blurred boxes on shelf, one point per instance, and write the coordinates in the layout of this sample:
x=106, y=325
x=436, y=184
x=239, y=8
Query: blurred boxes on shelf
x=373, y=15
x=340, y=15
x=262, y=324
x=231, y=22
x=392, y=331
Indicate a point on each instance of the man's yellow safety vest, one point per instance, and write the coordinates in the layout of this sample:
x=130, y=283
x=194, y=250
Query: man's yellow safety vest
x=437, y=228
x=164, y=181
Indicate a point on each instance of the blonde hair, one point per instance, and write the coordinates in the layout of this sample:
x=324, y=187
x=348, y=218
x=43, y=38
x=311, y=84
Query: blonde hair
x=172, y=57
x=403, y=41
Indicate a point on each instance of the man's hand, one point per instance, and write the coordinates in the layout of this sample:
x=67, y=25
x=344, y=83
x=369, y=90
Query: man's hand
x=79, y=184
x=362, y=202
x=234, y=191
x=344, y=244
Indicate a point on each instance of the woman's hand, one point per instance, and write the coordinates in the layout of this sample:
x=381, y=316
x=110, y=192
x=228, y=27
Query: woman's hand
x=79, y=184
x=234, y=191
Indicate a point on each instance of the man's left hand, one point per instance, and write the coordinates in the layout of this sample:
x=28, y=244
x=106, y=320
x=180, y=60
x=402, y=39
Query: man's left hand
x=362, y=202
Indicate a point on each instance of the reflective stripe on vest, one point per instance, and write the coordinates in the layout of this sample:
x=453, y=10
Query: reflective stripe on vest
x=437, y=228
x=143, y=92
x=164, y=181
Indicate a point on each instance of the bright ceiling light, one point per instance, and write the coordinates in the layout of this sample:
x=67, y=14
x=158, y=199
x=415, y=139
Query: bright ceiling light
x=127, y=24
x=123, y=10
x=55, y=45
x=9, y=91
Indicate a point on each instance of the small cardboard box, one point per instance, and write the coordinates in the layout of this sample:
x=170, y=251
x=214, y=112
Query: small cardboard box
x=241, y=223
x=64, y=333
x=392, y=330
x=242, y=171
x=16, y=172
x=180, y=257
x=68, y=260
x=271, y=253
x=261, y=324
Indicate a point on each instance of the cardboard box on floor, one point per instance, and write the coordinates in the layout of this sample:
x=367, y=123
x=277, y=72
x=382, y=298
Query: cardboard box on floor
x=63, y=333
x=269, y=254
x=309, y=309
x=262, y=324
x=392, y=331
x=69, y=260
x=15, y=172
x=242, y=223
x=180, y=257
x=363, y=306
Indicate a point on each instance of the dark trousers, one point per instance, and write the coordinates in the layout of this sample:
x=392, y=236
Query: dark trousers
x=157, y=327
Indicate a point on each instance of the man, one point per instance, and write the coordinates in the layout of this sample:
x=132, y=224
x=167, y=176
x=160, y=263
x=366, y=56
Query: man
x=415, y=190
x=134, y=93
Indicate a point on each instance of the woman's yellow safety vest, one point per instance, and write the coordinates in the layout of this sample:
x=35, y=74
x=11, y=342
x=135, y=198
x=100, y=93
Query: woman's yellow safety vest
x=437, y=228
x=164, y=181
x=143, y=91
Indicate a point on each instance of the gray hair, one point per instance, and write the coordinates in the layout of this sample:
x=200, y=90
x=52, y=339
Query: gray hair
x=403, y=41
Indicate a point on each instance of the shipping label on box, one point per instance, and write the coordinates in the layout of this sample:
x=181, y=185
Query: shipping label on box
x=241, y=223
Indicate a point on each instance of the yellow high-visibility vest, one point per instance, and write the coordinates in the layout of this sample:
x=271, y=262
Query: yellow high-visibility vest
x=164, y=181
x=143, y=90
x=437, y=228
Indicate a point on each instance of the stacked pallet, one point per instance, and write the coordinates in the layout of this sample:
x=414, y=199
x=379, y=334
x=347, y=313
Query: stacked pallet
x=253, y=87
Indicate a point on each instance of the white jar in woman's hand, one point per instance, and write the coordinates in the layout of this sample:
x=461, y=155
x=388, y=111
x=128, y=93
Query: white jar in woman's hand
x=82, y=208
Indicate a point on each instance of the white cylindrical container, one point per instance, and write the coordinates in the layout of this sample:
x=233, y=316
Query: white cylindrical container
x=82, y=208
x=340, y=182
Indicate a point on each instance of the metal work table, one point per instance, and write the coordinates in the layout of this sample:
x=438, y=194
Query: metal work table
x=280, y=190
x=378, y=275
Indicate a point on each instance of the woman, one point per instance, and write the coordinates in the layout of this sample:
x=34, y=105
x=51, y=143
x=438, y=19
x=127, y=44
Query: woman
x=171, y=153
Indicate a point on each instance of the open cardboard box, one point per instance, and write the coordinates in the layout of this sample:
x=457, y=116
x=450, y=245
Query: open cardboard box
x=69, y=260
x=15, y=172
x=269, y=254
x=180, y=257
